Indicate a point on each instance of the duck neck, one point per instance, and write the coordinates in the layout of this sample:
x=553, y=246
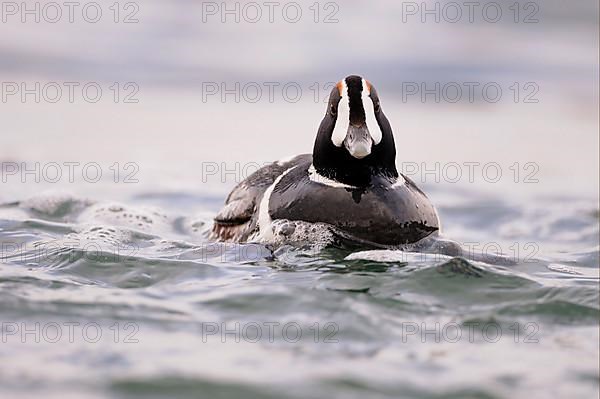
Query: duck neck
x=337, y=164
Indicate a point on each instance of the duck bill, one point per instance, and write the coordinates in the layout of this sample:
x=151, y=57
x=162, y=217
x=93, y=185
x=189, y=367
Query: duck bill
x=358, y=141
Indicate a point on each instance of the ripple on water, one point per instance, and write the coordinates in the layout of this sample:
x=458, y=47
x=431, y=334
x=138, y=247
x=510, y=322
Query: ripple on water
x=86, y=260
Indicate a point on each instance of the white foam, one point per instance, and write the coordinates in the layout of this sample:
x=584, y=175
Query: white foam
x=55, y=204
x=146, y=219
x=396, y=256
x=298, y=232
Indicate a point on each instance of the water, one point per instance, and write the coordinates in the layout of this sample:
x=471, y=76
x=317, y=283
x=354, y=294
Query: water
x=181, y=317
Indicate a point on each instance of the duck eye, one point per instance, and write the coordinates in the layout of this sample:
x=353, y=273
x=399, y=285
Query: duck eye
x=332, y=109
x=377, y=107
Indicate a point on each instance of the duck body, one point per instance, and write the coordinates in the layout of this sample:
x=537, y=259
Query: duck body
x=349, y=183
x=389, y=212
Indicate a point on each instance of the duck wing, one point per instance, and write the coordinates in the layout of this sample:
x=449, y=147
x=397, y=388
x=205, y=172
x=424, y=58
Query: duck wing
x=236, y=220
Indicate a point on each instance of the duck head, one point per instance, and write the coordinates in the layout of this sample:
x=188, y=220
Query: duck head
x=355, y=139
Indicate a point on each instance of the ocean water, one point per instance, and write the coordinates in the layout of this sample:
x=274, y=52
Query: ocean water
x=128, y=299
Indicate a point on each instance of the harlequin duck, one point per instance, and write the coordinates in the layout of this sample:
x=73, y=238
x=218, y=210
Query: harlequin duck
x=349, y=183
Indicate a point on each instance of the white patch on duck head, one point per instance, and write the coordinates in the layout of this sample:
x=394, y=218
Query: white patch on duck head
x=343, y=116
x=370, y=119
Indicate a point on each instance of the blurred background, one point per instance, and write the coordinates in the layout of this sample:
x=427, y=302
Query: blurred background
x=172, y=63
